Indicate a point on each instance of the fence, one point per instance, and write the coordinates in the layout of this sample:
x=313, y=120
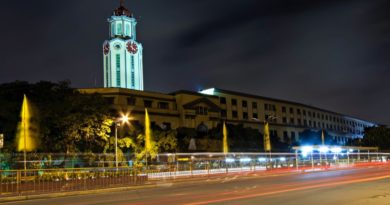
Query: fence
x=38, y=181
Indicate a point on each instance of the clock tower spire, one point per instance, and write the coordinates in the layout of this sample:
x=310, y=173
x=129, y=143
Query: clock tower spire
x=122, y=54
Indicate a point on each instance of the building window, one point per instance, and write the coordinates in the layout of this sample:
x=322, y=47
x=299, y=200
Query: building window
x=107, y=73
x=244, y=103
x=292, y=121
x=222, y=100
x=131, y=100
x=234, y=102
x=255, y=115
x=201, y=110
x=299, y=122
x=254, y=105
x=309, y=113
x=190, y=117
x=284, y=120
x=305, y=122
x=293, y=135
x=132, y=71
x=285, y=136
x=291, y=110
x=163, y=105
x=265, y=106
x=304, y=112
x=298, y=111
x=223, y=113
x=112, y=29
x=283, y=109
x=119, y=29
x=127, y=30
x=148, y=103
x=245, y=115
x=118, y=70
x=234, y=114
x=110, y=100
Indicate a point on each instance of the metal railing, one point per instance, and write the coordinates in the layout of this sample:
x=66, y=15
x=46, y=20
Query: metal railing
x=39, y=181
x=20, y=182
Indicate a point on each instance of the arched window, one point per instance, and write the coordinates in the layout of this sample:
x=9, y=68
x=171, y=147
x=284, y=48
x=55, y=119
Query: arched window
x=119, y=29
x=112, y=29
x=127, y=33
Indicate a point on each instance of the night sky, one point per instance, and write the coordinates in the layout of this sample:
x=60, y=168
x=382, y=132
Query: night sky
x=332, y=54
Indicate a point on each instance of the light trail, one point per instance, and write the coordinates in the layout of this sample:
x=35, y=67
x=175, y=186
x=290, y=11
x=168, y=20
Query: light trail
x=318, y=180
x=290, y=190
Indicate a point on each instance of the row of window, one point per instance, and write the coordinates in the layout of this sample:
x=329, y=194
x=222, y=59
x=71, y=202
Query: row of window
x=118, y=29
x=271, y=107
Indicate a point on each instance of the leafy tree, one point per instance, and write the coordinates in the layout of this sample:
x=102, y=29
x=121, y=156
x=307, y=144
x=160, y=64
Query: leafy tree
x=377, y=137
x=69, y=121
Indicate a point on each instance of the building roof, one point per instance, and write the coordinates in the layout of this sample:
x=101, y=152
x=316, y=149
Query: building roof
x=218, y=90
x=122, y=10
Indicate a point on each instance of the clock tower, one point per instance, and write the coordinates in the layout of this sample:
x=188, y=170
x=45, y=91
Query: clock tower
x=122, y=54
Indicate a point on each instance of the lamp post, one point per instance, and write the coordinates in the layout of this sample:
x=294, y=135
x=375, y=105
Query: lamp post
x=122, y=119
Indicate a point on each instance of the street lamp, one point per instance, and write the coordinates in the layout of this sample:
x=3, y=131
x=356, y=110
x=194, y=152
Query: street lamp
x=123, y=119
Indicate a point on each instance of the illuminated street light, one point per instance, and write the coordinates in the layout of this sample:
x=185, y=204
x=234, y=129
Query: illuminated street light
x=245, y=160
x=123, y=119
x=306, y=150
x=229, y=160
x=262, y=159
x=324, y=149
x=335, y=150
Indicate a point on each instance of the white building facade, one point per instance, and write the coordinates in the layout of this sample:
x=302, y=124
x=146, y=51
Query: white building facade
x=122, y=54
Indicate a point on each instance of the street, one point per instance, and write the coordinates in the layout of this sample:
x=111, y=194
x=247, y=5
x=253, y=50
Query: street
x=369, y=185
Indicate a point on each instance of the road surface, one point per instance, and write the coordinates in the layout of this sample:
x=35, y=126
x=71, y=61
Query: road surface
x=363, y=186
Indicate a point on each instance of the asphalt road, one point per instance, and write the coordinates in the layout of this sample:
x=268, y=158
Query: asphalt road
x=353, y=186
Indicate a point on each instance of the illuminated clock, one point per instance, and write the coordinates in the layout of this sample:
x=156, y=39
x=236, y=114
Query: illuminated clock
x=106, y=48
x=132, y=47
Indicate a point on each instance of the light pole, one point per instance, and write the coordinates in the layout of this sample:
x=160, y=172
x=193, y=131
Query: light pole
x=122, y=119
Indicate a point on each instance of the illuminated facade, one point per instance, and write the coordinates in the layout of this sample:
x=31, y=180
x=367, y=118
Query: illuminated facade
x=122, y=54
x=123, y=88
x=211, y=107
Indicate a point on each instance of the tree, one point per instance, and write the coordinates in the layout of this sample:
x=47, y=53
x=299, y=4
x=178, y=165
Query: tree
x=377, y=137
x=69, y=121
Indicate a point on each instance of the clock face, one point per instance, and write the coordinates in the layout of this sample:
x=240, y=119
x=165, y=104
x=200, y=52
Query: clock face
x=132, y=47
x=106, y=48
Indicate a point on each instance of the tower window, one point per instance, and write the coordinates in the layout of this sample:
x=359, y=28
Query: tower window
x=132, y=72
x=119, y=29
x=107, y=73
x=112, y=29
x=118, y=70
x=127, y=31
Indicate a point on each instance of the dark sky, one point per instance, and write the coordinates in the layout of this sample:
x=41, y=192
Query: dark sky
x=332, y=54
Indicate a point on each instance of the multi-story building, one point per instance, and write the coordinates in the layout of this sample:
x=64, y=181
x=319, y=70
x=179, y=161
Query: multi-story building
x=123, y=82
x=207, y=108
